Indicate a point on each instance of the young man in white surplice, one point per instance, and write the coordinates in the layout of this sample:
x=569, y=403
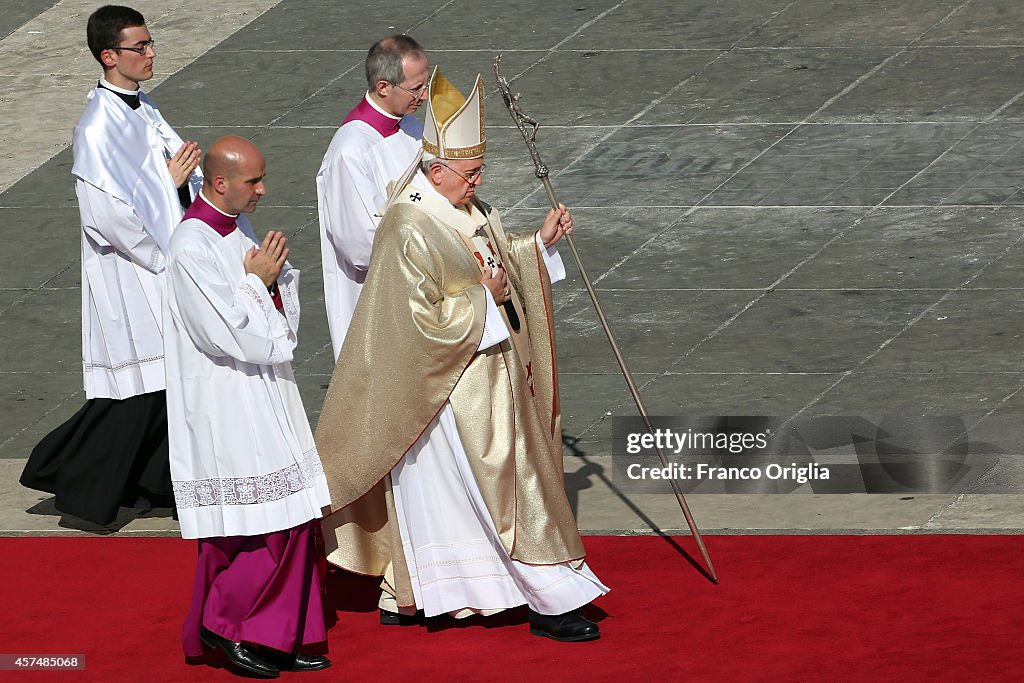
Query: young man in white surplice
x=133, y=176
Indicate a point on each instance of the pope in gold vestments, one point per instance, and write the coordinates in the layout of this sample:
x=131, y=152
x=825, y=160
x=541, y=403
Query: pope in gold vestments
x=441, y=431
x=414, y=344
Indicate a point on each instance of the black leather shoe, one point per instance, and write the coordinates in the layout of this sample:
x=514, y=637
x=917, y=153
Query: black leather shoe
x=570, y=627
x=241, y=656
x=298, y=661
x=395, y=619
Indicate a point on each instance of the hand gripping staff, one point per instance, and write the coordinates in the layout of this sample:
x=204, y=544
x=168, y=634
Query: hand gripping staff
x=521, y=119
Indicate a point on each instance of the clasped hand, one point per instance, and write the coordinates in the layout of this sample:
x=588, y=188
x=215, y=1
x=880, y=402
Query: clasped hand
x=267, y=261
x=184, y=162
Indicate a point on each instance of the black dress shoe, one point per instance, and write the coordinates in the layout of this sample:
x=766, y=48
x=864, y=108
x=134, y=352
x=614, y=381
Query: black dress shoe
x=570, y=627
x=241, y=656
x=395, y=619
x=298, y=661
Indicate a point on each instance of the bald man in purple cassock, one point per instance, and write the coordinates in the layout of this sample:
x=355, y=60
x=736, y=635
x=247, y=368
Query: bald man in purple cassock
x=247, y=478
x=376, y=142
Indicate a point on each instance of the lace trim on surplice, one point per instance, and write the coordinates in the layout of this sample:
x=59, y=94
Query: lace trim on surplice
x=262, y=488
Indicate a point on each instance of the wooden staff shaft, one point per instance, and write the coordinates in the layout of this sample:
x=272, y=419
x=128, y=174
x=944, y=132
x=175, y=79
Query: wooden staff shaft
x=631, y=384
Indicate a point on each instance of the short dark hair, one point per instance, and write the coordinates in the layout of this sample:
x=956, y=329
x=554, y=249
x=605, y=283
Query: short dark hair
x=384, y=60
x=105, y=26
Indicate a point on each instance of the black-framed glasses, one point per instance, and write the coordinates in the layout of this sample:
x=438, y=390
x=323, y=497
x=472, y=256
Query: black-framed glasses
x=415, y=92
x=470, y=177
x=141, y=49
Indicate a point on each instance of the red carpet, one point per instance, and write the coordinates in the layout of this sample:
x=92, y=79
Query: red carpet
x=789, y=608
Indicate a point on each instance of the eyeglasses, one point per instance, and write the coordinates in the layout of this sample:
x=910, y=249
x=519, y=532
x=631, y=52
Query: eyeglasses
x=415, y=92
x=141, y=49
x=470, y=177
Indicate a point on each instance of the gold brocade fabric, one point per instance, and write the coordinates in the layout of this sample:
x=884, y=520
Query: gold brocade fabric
x=412, y=346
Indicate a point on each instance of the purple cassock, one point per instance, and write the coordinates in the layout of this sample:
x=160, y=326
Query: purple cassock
x=264, y=589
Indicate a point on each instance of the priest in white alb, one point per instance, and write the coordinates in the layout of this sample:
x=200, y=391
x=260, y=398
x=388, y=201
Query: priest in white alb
x=133, y=176
x=446, y=466
x=374, y=145
x=247, y=479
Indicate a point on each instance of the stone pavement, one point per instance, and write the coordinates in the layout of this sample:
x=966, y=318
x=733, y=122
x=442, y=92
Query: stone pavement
x=788, y=207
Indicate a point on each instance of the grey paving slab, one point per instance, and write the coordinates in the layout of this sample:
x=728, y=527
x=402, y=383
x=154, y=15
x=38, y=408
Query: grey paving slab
x=981, y=168
x=981, y=22
x=31, y=404
x=661, y=166
x=979, y=512
x=1006, y=272
x=494, y=24
x=586, y=77
x=16, y=14
x=934, y=84
x=293, y=157
x=651, y=24
x=67, y=278
x=605, y=238
x=812, y=331
x=852, y=165
x=853, y=24
x=297, y=223
x=51, y=243
x=332, y=102
x=972, y=330
x=50, y=186
x=652, y=326
x=241, y=88
x=47, y=321
x=925, y=247
x=734, y=393
x=1011, y=407
x=757, y=86
x=938, y=391
x=9, y=296
x=597, y=395
x=301, y=25
x=734, y=248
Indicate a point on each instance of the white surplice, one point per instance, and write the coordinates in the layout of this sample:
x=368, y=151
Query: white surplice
x=456, y=561
x=351, y=186
x=243, y=461
x=129, y=207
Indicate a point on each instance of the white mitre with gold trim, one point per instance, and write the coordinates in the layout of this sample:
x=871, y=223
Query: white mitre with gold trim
x=454, y=125
x=453, y=128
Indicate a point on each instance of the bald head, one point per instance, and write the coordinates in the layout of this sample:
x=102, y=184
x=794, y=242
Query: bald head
x=233, y=170
x=225, y=155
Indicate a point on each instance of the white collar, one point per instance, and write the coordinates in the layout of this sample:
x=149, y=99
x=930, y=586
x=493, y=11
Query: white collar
x=110, y=86
x=214, y=207
x=375, y=106
x=435, y=203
